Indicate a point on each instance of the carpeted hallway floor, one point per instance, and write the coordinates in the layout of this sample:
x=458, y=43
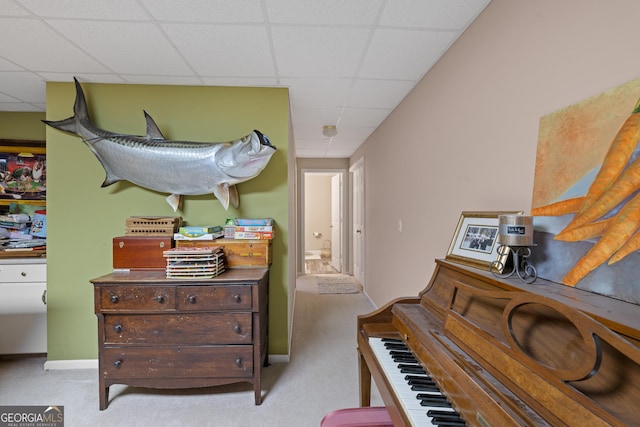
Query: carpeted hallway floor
x=321, y=376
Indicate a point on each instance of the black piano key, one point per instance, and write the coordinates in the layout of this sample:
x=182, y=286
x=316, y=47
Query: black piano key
x=396, y=340
x=447, y=422
x=437, y=401
x=443, y=414
x=411, y=369
x=424, y=387
x=394, y=346
x=404, y=359
x=418, y=378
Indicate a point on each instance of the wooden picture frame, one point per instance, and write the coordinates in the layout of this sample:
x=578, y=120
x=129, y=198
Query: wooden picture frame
x=23, y=172
x=474, y=242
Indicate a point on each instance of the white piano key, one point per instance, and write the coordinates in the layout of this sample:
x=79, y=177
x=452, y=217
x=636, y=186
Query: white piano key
x=416, y=413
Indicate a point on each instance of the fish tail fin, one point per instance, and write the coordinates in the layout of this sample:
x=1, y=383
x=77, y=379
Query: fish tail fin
x=67, y=125
x=80, y=112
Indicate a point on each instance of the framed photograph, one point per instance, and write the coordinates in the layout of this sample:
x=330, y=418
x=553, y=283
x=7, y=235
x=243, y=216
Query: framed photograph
x=23, y=172
x=475, y=240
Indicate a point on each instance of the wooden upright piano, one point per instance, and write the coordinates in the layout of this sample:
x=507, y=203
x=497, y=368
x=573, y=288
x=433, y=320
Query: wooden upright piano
x=503, y=353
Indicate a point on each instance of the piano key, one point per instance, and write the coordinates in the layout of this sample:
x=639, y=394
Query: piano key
x=414, y=408
x=447, y=422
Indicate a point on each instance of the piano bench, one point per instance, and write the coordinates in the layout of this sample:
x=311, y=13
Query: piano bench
x=358, y=417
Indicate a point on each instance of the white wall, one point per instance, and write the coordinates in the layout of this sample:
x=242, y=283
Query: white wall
x=465, y=138
x=317, y=210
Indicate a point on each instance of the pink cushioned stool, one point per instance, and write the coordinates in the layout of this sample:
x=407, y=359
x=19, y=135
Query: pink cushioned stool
x=358, y=417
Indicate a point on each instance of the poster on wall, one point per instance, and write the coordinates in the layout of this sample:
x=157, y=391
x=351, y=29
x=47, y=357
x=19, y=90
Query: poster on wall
x=22, y=171
x=586, y=195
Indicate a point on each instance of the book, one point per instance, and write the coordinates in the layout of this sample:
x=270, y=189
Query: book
x=196, y=230
x=254, y=228
x=254, y=221
x=207, y=236
x=253, y=235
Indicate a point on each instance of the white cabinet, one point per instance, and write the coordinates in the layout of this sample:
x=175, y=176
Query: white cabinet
x=23, y=310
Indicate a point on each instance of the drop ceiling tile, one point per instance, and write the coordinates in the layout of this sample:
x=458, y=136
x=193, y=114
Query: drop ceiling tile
x=162, y=80
x=317, y=51
x=416, y=50
x=366, y=117
x=241, y=81
x=220, y=11
x=328, y=12
x=6, y=99
x=8, y=66
x=23, y=86
x=11, y=8
x=82, y=77
x=315, y=116
x=44, y=49
x=224, y=50
x=83, y=9
x=316, y=92
x=379, y=93
x=436, y=14
x=118, y=45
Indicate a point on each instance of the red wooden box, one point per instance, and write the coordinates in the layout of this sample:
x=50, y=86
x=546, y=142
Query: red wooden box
x=140, y=252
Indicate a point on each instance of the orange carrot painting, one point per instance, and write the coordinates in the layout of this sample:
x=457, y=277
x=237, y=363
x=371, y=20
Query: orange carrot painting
x=586, y=196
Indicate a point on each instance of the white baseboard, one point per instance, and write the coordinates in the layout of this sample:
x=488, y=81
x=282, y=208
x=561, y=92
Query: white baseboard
x=51, y=365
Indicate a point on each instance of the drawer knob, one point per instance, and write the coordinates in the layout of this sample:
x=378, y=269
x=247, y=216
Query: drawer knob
x=114, y=299
x=160, y=299
x=117, y=363
x=237, y=329
x=237, y=298
x=23, y=274
x=239, y=362
x=191, y=299
x=117, y=328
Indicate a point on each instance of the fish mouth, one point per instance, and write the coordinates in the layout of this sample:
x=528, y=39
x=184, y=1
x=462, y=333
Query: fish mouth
x=264, y=140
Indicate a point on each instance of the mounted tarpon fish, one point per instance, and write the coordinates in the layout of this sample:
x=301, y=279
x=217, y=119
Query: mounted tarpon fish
x=168, y=166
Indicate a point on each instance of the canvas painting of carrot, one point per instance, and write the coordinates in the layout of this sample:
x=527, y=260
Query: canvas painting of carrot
x=586, y=198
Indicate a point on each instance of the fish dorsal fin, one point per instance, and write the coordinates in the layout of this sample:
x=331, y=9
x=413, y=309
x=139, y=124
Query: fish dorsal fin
x=153, y=131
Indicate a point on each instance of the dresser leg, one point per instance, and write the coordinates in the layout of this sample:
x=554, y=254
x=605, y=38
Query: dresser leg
x=104, y=397
x=257, y=391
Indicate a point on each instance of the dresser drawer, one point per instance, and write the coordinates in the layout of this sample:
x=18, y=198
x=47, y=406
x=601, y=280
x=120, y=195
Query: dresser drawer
x=137, y=298
x=17, y=273
x=239, y=253
x=227, y=297
x=177, y=362
x=178, y=329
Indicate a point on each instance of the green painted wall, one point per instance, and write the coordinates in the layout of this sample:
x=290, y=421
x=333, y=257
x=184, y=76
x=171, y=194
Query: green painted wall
x=15, y=125
x=83, y=218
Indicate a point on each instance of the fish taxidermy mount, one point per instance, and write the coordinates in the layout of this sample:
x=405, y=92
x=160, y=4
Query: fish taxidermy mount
x=169, y=166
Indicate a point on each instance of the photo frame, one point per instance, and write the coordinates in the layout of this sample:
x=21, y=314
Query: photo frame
x=22, y=172
x=475, y=243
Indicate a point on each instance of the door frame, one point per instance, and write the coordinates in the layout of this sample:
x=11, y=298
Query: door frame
x=344, y=224
x=357, y=196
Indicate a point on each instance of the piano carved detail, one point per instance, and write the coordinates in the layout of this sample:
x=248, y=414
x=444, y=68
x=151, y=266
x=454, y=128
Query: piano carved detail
x=506, y=353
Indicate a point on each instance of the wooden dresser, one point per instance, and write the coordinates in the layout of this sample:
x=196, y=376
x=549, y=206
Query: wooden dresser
x=181, y=333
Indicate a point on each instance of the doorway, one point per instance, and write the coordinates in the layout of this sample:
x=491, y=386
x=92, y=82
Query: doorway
x=323, y=221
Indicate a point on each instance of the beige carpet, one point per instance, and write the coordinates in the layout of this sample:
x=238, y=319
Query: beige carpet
x=336, y=284
x=322, y=376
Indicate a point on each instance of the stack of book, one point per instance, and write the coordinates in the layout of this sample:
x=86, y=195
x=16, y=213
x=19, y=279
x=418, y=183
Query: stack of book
x=196, y=232
x=194, y=262
x=254, y=228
